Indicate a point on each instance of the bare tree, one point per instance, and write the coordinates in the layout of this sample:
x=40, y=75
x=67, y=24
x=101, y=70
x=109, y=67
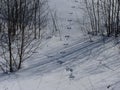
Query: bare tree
x=103, y=13
x=22, y=19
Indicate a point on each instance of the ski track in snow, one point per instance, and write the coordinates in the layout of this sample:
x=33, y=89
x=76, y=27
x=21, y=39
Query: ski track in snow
x=69, y=55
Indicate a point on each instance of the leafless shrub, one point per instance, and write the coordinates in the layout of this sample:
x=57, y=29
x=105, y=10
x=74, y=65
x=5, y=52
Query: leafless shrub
x=21, y=21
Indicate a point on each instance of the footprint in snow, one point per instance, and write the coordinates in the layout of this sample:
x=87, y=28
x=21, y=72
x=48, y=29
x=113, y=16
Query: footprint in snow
x=69, y=28
x=50, y=56
x=69, y=69
x=108, y=86
x=76, y=1
x=60, y=62
x=71, y=76
x=69, y=20
x=66, y=44
x=71, y=13
x=73, y=7
x=63, y=52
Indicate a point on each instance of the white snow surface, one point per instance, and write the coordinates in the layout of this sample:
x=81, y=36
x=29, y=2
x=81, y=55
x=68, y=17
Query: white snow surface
x=73, y=63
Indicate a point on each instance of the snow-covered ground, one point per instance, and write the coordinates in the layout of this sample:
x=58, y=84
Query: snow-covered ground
x=73, y=63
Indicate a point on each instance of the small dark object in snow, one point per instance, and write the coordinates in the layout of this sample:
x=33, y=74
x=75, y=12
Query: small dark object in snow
x=91, y=41
x=63, y=52
x=6, y=88
x=73, y=6
x=67, y=36
x=69, y=28
x=76, y=1
x=69, y=69
x=69, y=20
x=71, y=76
x=108, y=86
x=92, y=33
x=49, y=56
x=66, y=44
x=35, y=52
x=60, y=62
x=71, y=13
x=49, y=37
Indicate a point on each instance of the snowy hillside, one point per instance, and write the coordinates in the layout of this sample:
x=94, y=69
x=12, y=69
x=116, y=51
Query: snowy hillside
x=72, y=63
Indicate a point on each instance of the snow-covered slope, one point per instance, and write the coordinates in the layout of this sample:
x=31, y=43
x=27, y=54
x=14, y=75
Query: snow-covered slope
x=73, y=63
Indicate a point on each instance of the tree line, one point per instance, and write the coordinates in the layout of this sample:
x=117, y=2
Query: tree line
x=103, y=17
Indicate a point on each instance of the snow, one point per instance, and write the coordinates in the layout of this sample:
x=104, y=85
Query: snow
x=93, y=65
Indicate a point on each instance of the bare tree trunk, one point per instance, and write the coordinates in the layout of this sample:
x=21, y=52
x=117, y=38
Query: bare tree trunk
x=21, y=24
x=98, y=15
x=94, y=17
x=118, y=10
